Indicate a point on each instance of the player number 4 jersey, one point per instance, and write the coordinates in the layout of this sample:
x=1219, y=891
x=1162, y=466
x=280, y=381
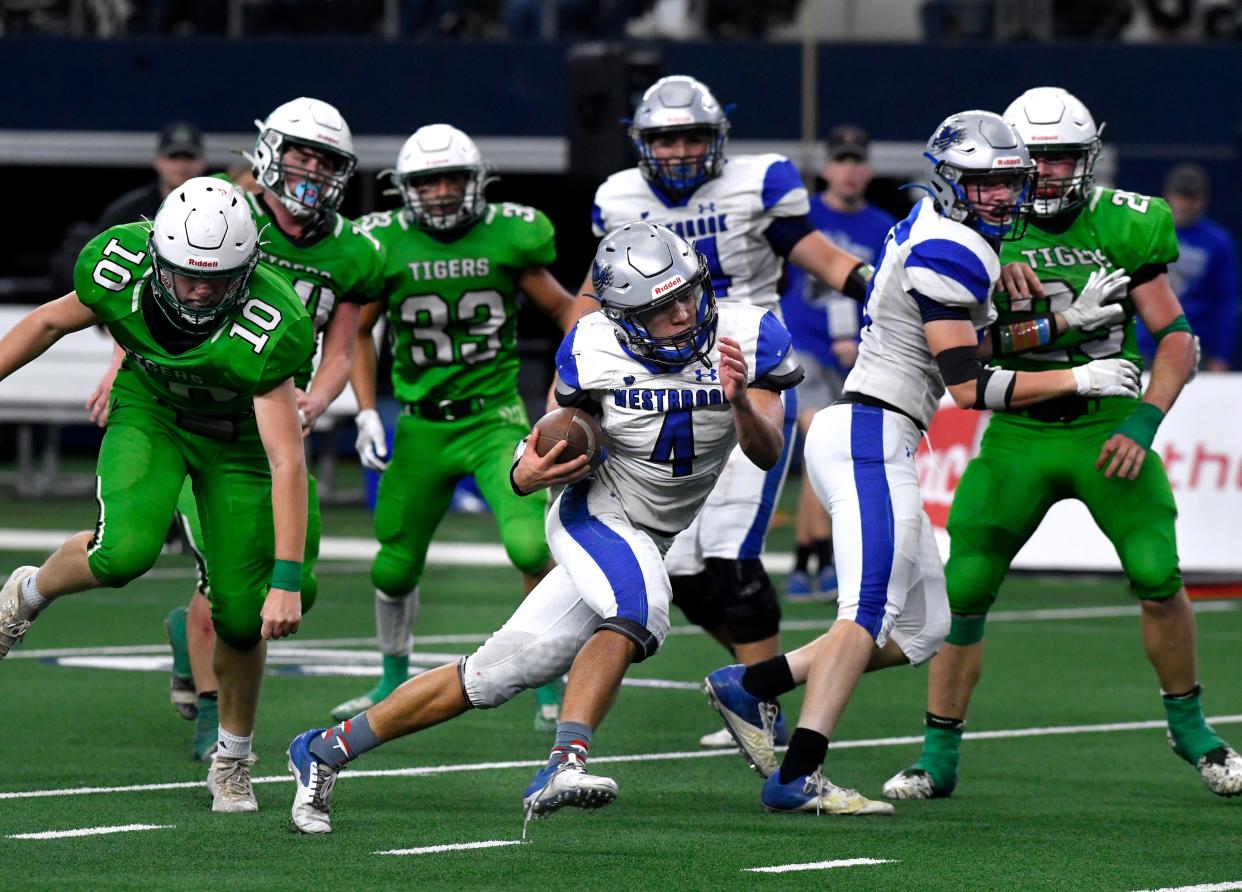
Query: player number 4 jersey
x=451, y=305
x=725, y=218
x=260, y=345
x=1115, y=229
x=669, y=431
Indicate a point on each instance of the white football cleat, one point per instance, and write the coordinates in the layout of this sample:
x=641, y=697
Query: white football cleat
x=1221, y=769
x=312, y=802
x=567, y=784
x=15, y=616
x=912, y=783
x=229, y=782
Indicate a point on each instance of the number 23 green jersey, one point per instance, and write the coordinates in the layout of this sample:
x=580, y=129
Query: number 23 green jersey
x=1115, y=229
x=451, y=305
x=256, y=348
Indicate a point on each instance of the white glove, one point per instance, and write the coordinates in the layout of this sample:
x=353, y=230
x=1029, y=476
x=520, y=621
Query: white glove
x=1096, y=307
x=1108, y=377
x=371, y=443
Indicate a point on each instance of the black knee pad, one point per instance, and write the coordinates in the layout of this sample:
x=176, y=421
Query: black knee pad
x=647, y=643
x=698, y=599
x=752, y=611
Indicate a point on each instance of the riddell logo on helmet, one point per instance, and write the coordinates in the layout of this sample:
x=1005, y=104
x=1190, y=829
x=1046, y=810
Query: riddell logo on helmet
x=204, y=264
x=1008, y=161
x=667, y=286
x=328, y=137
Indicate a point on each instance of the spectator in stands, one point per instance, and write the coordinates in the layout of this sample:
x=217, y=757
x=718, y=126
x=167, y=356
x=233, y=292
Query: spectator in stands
x=1205, y=276
x=178, y=157
x=824, y=324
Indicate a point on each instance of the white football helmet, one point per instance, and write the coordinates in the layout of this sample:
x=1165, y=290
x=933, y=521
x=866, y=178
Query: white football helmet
x=432, y=151
x=204, y=246
x=318, y=128
x=673, y=104
x=1052, y=121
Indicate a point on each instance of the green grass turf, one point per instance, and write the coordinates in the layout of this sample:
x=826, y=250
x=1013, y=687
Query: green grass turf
x=1109, y=811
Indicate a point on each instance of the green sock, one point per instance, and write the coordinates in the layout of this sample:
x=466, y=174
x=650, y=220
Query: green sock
x=551, y=693
x=396, y=671
x=1193, y=737
x=207, y=726
x=175, y=623
x=941, y=748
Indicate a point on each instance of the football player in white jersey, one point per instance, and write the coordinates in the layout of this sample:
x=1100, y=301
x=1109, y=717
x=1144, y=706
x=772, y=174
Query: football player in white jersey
x=640, y=365
x=929, y=299
x=746, y=214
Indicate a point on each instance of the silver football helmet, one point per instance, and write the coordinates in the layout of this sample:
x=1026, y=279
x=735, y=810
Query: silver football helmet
x=1052, y=121
x=204, y=246
x=679, y=104
x=978, y=149
x=432, y=152
x=317, y=129
x=641, y=268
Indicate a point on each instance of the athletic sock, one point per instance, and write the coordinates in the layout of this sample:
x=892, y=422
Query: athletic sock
x=233, y=746
x=1193, y=737
x=396, y=671
x=807, y=750
x=823, y=553
x=571, y=737
x=30, y=593
x=802, y=557
x=345, y=742
x=769, y=679
x=942, y=744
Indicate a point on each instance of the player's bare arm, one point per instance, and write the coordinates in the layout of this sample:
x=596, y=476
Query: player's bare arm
x=954, y=345
x=834, y=267
x=1173, y=366
x=757, y=413
x=277, y=417
x=371, y=442
x=335, y=365
x=550, y=295
x=31, y=337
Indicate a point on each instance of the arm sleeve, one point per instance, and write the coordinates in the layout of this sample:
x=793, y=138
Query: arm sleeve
x=786, y=232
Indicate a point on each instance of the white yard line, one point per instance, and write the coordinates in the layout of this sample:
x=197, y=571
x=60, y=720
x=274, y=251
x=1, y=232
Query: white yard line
x=453, y=847
x=1202, y=887
x=91, y=831
x=429, y=770
x=818, y=865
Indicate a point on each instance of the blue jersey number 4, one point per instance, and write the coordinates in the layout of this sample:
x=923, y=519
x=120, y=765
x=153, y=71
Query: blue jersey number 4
x=675, y=444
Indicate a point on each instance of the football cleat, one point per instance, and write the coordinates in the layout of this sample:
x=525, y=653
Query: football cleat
x=15, y=616
x=722, y=739
x=1221, y=768
x=912, y=783
x=361, y=703
x=229, y=782
x=567, y=784
x=751, y=721
x=814, y=792
x=181, y=692
x=799, y=587
x=312, y=801
x=826, y=584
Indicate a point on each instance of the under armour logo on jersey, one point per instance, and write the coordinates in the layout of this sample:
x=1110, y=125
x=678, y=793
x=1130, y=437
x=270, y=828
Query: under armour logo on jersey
x=709, y=208
x=702, y=375
x=909, y=452
x=645, y=215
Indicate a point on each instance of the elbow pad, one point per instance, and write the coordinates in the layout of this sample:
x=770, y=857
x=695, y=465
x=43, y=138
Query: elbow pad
x=993, y=387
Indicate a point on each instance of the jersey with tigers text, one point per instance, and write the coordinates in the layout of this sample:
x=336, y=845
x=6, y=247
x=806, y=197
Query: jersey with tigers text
x=261, y=344
x=451, y=304
x=725, y=218
x=669, y=431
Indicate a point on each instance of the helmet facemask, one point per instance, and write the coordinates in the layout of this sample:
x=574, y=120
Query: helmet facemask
x=680, y=175
x=1056, y=195
x=448, y=211
x=196, y=300
x=676, y=350
x=317, y=191
x=1006, y=222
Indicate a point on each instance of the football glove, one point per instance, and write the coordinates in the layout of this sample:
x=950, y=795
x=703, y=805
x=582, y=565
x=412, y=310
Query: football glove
x=371, y=443
x=1108, y=377
x=1096, y=307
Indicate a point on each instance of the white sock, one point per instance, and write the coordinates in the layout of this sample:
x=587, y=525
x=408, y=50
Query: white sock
x=30, y=593
x=232, y=746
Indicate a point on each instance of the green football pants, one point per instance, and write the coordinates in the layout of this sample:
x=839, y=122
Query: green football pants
x=428, y=459
x=1024, y=466
x=143, y=464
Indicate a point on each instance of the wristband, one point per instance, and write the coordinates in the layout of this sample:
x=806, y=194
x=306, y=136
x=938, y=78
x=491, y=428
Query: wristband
x=856, y=282
x=1141, y=425
x=287, y=575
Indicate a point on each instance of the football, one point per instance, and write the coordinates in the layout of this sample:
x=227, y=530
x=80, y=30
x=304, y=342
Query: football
x=580, y=428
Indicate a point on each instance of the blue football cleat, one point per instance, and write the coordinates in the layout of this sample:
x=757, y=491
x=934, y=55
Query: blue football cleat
x=751, y=721
x=826, y=583
x=566, y=783
x=313, y=800
x=799, y=587
x=814, y=792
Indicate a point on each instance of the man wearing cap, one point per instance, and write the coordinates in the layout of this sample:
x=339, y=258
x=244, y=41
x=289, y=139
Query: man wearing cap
x=1205, y=276
x=178, y=157
x=824, y=324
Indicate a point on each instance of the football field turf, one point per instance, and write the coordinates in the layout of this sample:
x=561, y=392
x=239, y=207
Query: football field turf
x=91, y=742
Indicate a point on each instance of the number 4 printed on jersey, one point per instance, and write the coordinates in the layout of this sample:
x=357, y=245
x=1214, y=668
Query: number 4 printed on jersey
x=675, y=444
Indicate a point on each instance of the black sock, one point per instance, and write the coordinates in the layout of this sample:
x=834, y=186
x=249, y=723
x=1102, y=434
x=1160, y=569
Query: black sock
x=769, y=679
x=823, y=552
x=807, y=750
x=802, y=557
x=945, y=723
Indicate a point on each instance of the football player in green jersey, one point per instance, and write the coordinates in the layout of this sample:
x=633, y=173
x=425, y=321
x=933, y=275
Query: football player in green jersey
x=454, y=266
x=1083, y=240
x=212, y=341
